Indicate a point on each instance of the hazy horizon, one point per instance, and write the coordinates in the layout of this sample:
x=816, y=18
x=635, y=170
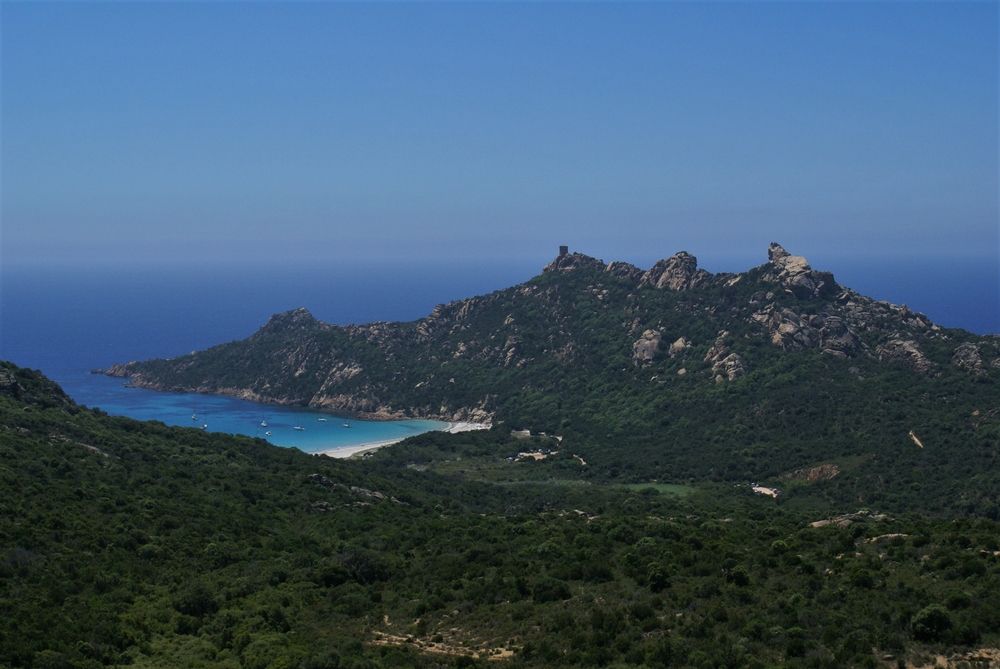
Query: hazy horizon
x=173, y=134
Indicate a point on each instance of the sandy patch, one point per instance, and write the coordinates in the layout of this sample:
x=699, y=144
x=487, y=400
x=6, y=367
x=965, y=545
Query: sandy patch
x=371, y=446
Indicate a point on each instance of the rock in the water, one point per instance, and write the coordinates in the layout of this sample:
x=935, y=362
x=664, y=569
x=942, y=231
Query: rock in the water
x=678, y=272
x=968, y=357
x=905, y=351
x=646, y=348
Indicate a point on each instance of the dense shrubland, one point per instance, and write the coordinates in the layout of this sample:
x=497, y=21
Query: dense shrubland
x=128, y=543
x=556, y=355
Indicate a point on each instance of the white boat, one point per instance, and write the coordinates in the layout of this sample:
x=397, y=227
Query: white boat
x=267, y=434
x=263, y=423
x=298, y=427
x=204, y=426
x=321, y=420
x=194, y=416
x=347, y=424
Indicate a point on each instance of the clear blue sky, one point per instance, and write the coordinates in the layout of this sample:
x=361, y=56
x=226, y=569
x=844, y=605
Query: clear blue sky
x=208, y=131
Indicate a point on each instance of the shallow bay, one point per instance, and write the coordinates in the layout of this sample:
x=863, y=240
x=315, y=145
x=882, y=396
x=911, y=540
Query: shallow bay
x=322, y=431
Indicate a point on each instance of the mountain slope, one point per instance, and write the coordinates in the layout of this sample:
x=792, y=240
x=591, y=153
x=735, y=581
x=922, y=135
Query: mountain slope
x=135, y=544
x=669, y=373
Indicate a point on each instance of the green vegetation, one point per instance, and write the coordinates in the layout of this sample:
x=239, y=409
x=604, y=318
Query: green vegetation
x=556, y=355
x=666, y=488
x=135, y=544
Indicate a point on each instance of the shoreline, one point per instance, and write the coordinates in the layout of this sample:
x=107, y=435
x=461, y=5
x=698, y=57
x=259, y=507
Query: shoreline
x=132, y=381
x=368, y=447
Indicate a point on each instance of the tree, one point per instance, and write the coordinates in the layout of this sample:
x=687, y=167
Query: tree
x=931, y=623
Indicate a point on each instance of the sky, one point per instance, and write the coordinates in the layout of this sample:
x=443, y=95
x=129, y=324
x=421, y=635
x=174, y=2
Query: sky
x=162, y=134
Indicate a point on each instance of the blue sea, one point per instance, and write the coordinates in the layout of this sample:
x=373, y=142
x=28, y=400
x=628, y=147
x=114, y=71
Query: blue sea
x=215, y=413
x=68, y=320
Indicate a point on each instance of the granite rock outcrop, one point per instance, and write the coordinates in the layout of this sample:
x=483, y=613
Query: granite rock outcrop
x=678, y=272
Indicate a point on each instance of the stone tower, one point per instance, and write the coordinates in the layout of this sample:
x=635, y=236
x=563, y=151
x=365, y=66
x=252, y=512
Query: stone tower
x=563, y=250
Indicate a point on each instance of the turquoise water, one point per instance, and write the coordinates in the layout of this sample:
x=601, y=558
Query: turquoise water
x=234, y=416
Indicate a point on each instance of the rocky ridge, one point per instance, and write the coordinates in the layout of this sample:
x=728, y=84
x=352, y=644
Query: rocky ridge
x=466, y=358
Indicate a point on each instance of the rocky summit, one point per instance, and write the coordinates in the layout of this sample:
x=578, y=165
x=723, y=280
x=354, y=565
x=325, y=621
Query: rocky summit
x=296, y=359
x=621, y=356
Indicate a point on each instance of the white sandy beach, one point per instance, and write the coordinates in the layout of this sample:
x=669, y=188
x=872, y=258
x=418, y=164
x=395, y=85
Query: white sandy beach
x=358, y=449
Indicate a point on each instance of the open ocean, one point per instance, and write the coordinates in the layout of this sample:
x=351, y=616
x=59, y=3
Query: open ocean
x=67, y=321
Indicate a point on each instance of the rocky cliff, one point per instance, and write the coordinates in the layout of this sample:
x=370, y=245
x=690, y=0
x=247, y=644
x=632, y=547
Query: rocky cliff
x=581, y=321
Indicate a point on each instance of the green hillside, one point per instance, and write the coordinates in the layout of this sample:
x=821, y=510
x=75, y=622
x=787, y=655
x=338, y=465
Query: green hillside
x=665, y=374
x=134, y=544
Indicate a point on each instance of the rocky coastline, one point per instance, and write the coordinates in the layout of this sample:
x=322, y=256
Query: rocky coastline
x=470, y=360
x=352, y=407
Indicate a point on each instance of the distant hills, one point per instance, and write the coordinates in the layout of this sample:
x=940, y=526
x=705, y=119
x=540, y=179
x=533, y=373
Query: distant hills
x=669, y=372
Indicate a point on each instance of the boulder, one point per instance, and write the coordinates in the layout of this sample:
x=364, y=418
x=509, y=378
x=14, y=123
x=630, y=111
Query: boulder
x=904, y=351
x=731, y=367
x=573, y=261
x=968, y=357
x=726, y=365
x=678, y=347
x=625, y=271
x=795, y=274
x=8, y=383
x=646, y=348
x=678, y=272
x=289, y=321
x=823, y=472
x=794, y=332
x=835, y=338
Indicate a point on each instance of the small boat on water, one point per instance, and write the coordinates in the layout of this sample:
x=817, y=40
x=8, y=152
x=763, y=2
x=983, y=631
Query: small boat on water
x=298, y=427
x=321, y=420
x=194, y=416
x=347, y=424
x=204, y=426
x=263, y=423
x=267, y=434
